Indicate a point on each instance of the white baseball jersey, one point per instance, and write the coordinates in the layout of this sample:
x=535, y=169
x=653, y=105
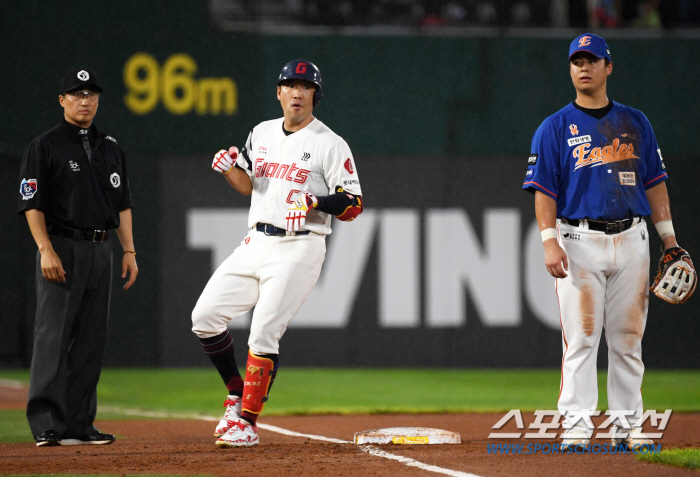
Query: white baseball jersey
x=313, y=158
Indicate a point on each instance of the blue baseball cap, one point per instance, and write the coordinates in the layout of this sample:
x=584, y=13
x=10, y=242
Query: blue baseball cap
x=590, y=43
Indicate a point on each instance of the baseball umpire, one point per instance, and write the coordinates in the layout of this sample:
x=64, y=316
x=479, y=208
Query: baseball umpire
x=300, y=173
x=74, y=189
x=596, y=171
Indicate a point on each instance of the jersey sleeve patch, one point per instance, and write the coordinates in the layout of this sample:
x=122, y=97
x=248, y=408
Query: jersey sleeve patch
x=28, y=188
x=348, y=166
x=532, y=159
x=661, y=158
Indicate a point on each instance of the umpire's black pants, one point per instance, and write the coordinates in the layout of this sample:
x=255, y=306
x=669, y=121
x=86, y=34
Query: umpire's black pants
x=70, y=331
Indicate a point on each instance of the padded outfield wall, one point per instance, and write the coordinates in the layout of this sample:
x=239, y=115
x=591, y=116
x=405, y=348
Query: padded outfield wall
x=442, y=269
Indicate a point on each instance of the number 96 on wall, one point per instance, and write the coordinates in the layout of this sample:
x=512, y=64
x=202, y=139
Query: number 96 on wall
x=176, y=87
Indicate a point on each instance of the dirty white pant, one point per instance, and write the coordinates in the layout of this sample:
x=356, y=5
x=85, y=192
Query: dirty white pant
x=274, y=274
x=607, y=287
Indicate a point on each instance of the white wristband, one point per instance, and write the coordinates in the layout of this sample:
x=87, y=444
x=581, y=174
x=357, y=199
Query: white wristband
x=664, y=228
x=549, y=233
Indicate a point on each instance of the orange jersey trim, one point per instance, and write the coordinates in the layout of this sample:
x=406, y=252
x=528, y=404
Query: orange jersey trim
x=563, y=335
x=655, y=178
x=538, y=185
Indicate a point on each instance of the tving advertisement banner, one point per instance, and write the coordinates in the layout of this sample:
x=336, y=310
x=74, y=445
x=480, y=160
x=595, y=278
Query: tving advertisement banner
x=444, y=272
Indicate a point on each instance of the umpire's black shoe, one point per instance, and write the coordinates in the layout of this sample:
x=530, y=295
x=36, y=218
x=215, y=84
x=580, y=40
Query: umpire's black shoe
x=96, y=438
x=48, y=438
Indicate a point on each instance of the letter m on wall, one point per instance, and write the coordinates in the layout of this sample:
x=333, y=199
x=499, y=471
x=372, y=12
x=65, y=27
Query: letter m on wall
x=456, y=261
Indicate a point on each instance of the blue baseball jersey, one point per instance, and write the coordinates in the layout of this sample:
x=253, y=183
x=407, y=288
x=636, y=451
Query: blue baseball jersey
x=596, y=169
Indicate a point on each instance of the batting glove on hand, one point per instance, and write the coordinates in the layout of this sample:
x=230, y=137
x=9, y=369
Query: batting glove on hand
x=296, y=213
x=223, y=160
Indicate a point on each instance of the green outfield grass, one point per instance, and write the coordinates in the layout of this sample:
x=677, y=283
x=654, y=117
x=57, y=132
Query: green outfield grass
x=347, y=391
x=343, y=391
x=14, y=427
x=689, y=458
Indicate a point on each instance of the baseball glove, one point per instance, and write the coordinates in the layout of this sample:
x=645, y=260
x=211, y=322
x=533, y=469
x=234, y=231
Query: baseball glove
x=676, y=279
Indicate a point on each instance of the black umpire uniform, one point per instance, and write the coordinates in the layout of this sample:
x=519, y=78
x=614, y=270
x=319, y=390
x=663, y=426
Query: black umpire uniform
x=76, y=176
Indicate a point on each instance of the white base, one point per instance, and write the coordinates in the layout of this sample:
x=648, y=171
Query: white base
x=407, y=435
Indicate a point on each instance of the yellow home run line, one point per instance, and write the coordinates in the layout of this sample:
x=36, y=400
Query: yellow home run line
x=365, y=448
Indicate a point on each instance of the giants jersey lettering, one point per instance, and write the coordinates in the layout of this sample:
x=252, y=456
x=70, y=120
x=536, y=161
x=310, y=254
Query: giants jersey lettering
x=596, y=169
x=314, y=159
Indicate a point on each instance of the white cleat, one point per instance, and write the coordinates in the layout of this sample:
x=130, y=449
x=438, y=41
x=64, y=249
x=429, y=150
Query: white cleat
x=241, y=434
x=233, y=412
x=633, y=438
x=573, y=438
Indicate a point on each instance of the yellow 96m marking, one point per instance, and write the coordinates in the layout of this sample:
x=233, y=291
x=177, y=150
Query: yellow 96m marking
x=175, y=86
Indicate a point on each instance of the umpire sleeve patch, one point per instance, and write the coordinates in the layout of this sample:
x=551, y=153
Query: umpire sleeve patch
x=532, y=159
x=28, y=188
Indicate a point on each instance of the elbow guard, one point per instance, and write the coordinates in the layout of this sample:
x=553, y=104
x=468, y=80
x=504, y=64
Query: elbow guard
x=343, y=205
x=353, y=210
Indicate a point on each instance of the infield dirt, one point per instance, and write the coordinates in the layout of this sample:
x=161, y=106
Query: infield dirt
x=187, y=448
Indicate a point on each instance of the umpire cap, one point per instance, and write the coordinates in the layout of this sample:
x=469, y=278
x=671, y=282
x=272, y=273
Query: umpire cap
x=79, y=78
x=303, y=70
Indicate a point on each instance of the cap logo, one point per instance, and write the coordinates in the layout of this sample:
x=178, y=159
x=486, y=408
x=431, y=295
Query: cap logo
x=83, y=75
x=301, y=68
x=585, y=41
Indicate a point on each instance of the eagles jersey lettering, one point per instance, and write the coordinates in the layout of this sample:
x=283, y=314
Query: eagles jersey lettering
x=313, y=158
x=596, y=169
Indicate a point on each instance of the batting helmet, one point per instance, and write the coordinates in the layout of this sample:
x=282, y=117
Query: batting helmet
x=303, y=70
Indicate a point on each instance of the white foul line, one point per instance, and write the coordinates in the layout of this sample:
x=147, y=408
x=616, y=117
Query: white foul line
x=414, y=463
x=280, y=430
x=366, y=448
x=11, y=383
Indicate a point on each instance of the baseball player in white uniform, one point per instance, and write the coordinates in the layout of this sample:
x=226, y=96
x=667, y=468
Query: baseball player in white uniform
x=596, y=171
x=299, y=173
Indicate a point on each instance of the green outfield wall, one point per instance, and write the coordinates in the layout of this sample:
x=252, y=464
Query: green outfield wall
x=176, y=86
x=442, y=269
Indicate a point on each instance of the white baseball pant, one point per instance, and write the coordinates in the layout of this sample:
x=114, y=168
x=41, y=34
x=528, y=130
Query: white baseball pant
x=274, y=274
x=607, y=287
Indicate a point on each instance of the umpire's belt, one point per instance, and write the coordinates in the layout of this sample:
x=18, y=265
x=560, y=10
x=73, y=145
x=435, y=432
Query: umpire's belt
x=609, y=227
x=97, y=236
x=268, y=229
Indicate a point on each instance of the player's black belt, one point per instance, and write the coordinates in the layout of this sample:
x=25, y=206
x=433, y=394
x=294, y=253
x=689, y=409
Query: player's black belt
x=268, y=229
x=609, y=227
x=97, y=236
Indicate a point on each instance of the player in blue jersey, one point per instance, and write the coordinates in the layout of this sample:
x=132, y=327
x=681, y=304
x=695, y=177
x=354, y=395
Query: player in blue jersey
x=596, y=171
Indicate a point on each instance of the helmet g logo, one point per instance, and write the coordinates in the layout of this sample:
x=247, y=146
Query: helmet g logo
x=83, y=75
x=586, y=40
x=301, y=68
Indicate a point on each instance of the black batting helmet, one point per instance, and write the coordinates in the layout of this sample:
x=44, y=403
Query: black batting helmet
x=303, y=70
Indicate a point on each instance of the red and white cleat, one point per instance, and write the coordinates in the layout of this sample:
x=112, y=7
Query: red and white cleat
x=233, y=412
x=241, y=434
